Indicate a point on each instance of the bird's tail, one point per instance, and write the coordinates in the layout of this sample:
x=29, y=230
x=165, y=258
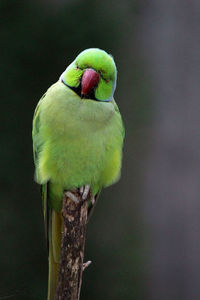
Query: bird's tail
x=55, y=226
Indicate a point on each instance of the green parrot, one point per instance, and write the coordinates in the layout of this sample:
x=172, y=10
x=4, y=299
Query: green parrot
x=78, y=136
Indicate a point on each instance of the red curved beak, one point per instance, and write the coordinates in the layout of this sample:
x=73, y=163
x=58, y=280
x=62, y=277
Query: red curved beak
x=90, y=79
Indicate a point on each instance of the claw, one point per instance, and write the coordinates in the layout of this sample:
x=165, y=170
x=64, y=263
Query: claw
x=93, y=200
x=71, y=196
x=86, y=191
x=81, y=189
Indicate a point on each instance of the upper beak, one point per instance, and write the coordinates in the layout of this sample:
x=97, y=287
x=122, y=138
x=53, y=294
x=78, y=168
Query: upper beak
x=89, y=80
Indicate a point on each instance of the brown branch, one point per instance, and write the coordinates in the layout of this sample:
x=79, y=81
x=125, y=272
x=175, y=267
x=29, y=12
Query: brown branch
x=72, y=249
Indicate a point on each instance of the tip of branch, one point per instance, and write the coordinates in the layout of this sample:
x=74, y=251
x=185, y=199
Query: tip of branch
x=86, y=264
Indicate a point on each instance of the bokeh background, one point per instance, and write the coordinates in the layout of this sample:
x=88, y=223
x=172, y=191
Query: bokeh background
x=144, y=236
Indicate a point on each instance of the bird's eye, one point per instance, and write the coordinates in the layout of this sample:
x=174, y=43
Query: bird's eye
x=78, y=67
x=107, y=80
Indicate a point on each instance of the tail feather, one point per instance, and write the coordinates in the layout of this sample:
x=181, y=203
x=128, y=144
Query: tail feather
x=53, y=275
x=55, y=226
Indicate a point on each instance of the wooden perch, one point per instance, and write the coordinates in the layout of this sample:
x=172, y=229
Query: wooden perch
x=72, y=248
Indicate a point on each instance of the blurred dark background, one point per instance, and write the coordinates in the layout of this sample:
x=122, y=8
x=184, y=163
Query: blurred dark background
x=144, y=237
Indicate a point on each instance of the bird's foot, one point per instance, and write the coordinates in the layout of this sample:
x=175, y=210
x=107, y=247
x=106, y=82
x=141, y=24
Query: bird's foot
x=73, y=197
x=84, y=191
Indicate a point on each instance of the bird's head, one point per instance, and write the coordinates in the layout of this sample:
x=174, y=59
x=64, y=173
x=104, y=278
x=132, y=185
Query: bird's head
x=92, y=75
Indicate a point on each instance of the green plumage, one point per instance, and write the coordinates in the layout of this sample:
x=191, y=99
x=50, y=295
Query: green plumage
x=77, y=141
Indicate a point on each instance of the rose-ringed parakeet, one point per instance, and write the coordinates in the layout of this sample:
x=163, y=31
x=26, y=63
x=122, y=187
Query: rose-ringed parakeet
x=77, y=141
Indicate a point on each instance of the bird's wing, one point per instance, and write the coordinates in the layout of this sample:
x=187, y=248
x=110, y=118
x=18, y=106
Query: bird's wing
x=37, y=145
x=52, y=219
x=35, y=133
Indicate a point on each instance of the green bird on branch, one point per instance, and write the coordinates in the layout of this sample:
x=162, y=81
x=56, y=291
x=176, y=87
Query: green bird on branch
x=78, y=136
